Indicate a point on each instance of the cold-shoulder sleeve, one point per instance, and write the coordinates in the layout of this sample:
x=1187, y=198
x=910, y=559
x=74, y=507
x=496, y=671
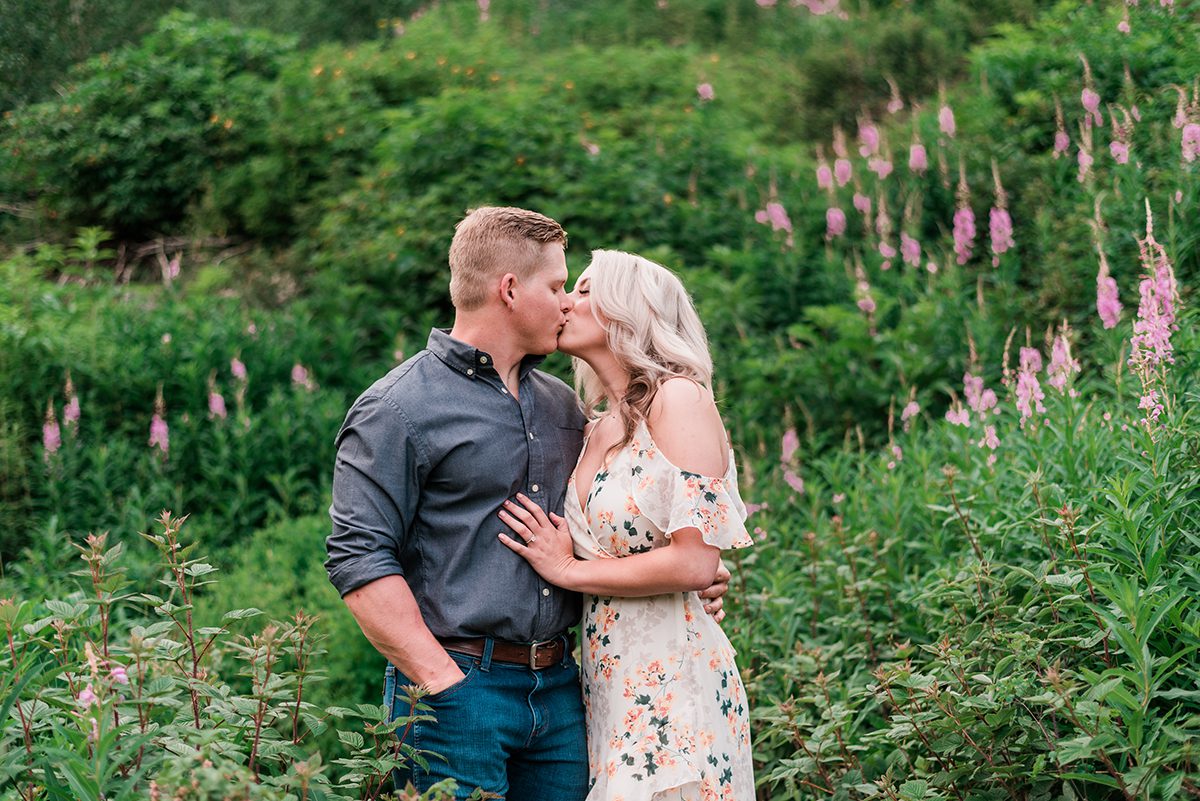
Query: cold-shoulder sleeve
x=674, y=499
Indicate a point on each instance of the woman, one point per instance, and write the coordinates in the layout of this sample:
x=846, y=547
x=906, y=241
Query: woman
x=651, y=503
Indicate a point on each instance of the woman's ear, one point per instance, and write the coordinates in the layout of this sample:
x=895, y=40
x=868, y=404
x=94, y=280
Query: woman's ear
x=508, y=286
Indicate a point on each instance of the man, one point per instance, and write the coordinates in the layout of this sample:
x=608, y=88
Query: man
x=426, y=457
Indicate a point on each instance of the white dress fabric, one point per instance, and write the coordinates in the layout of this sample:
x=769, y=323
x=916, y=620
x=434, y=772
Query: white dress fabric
x=667, y=717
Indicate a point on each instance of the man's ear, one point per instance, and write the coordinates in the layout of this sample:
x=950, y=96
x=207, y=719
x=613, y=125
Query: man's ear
x=508, y=289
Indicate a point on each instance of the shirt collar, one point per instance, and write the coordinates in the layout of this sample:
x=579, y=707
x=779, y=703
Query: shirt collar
x=467, y=359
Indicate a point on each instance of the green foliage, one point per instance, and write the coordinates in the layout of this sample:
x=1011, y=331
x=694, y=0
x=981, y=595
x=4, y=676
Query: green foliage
x=138, y=133
x=116, y=693
x=924, y=619
x=120, y=347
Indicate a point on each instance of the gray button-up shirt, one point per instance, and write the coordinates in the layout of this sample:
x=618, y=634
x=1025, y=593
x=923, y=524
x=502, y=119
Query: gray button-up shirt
x=425, y=458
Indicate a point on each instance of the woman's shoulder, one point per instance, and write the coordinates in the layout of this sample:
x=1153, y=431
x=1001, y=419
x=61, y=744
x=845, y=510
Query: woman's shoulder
x=687, y=428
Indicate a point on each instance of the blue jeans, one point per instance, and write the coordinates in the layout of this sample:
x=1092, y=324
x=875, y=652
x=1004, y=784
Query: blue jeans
x=513, y=731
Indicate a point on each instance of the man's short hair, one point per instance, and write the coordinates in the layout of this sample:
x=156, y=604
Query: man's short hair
x=494, y=240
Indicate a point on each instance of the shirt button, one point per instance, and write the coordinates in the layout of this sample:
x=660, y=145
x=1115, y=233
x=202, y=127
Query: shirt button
x=534, y=488
x=483, y=359
x=503, y=391
x=531, y=435
x=545, y=591
x=470, y=371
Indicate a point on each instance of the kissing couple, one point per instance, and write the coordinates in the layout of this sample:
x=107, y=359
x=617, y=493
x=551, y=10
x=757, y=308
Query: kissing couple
x=482, y=509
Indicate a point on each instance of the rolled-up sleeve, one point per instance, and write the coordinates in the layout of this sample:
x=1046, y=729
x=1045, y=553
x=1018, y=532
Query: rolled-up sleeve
x=376, y=480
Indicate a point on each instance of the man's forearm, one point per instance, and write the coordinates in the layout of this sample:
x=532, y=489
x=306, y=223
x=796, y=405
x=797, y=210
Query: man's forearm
x=388, y=615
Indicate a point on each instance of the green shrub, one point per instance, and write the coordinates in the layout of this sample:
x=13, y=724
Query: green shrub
x=114, y=692
x=139, y=133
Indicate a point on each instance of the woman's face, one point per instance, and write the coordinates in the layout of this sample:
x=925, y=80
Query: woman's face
x=582, y=333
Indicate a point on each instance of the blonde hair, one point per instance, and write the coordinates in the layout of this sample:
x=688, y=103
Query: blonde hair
x=494, y=240
x=652, y=329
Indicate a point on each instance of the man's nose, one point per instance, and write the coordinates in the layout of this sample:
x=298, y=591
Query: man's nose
x=568, y=303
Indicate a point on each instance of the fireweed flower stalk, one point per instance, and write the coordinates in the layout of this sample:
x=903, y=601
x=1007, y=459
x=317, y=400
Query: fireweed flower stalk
x=1122, y=136
x=159, y=433
x=1029, y=391
x=1108, y=305
x=51, y=434
x=1062, y=141
x=1090, y=98
x=71, y=409
x=787, y=460
x=1062, y=365
x=999, y=221
x=216, y=402
x=1084, y=156
x=1151, y=350
x=964, y=220
x=842, y=169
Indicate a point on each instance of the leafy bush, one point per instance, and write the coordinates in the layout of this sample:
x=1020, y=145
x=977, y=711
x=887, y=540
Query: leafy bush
x=941, y=619
x=139, y=133
x=116, y=693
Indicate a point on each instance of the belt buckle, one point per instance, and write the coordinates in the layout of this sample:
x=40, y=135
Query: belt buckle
x=533, y=646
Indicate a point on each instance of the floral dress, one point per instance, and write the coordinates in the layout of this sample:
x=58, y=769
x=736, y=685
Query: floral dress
x=667, y=717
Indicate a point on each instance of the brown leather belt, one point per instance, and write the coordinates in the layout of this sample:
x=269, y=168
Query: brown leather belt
x=535, y=656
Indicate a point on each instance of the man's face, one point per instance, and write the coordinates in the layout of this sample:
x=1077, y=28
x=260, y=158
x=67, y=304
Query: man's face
x=541, y=303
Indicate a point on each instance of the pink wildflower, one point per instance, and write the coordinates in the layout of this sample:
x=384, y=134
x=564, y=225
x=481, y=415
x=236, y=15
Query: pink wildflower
x=216, y=405
x=1119, y=151
x=1062, y=143
x=1151, y=348
x=1000, y=226
x=1123, y=25
x=1191, y=142
x=51, y=435
x=788, y=446
x=868, y=137
x=1091, y=104
x=87, y=697
x=1084, y=156
x=237, y=368
x=705, y=91
x=824, y=176
x=918, y=159
x=302, y=378
x=839, y=497
x=964, y=233
x=1062, y=366
x=776, y=215
x=484, y=8
x=862, y=203
x=842, y=171
x=990, y=440
x=957, y=415
x=71, y=409
x=1108, y=305
x=835, y=222
x=1029, y=391
x=794, y=481
x=118, y=674
x=946, y=121
x=910, y=250
x=865, y=302
x=911, y=409
x=159, y=433
x=881, y=167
